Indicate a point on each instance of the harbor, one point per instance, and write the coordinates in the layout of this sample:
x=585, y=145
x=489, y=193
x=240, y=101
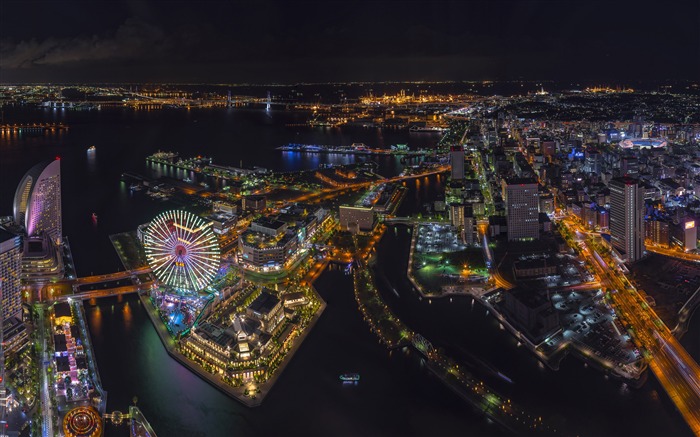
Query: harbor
x=355, y=149
x=18, y=128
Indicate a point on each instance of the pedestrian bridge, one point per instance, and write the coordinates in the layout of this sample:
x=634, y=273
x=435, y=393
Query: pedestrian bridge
x=138, y=425
x=422, y=345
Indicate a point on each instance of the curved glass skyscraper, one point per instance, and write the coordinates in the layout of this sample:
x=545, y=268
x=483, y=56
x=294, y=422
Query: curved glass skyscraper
x=37, y=204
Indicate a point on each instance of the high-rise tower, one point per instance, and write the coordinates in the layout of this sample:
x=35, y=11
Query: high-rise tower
x=627, y=217
x=457, y=162
x=521, y=196
x=37, y=204
x=10, y=271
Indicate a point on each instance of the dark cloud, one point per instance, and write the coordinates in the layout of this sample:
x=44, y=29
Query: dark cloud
x=342, y=40
x=135, y=39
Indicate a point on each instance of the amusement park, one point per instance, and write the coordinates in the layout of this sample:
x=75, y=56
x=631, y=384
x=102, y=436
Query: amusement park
x=184, y=254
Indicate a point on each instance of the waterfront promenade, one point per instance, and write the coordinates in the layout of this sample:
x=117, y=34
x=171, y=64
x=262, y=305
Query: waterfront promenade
x=394, y=333
x=237, y=393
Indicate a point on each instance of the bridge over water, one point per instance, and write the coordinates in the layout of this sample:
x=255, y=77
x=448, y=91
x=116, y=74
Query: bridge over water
x=70, y=288
x=138, y=425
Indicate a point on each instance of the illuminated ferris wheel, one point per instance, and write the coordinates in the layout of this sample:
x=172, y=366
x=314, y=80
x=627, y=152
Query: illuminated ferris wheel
x=182, y=250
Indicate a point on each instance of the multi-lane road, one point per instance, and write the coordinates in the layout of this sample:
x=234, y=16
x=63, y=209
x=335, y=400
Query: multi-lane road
x=673, y=253
x=677, y=371
x=46, y=407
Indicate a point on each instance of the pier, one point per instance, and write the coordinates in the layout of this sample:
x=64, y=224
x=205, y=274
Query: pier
x=18, y=128
x=354, y=150
x=171, y=159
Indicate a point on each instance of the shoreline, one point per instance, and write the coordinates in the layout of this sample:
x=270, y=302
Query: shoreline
x=552, y=359
x=236, y=393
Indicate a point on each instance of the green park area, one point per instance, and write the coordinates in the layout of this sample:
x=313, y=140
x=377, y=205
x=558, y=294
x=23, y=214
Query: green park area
x=436, y=270
x=129, y=250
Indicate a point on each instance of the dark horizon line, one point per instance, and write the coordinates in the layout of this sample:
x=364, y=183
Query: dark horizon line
x=358, y=82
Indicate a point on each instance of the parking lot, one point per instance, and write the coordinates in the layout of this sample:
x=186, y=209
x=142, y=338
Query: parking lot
x=591, y=325
x=435, y=238
x=442, y=263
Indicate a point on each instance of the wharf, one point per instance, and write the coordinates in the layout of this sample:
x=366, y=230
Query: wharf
x=138, y=424
x=31, y=127
x=200, y=165
x=193, y=164
x=340, y=150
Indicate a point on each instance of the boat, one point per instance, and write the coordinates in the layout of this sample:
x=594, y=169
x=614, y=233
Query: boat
x=91, y=149
x=350, y=377
x=312, y=148
x=504, y=377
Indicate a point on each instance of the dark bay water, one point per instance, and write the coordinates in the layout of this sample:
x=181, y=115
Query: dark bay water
x=396, y=396
x=576, y=399
x=124, y=138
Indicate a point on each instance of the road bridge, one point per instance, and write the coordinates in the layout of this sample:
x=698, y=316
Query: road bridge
x=116, y=276
x=107, y=292
x=62, y=290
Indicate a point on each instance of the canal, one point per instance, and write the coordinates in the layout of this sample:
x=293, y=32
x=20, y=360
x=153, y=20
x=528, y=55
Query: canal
x=396, y=395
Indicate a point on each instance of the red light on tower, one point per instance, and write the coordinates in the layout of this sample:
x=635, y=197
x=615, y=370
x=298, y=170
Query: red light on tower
x=58, y=158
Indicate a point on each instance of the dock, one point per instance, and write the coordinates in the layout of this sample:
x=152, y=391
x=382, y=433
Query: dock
x=354, y=150
x=18, y=128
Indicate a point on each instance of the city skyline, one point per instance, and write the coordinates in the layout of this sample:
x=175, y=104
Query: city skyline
x=395, y=218
x=451, y=197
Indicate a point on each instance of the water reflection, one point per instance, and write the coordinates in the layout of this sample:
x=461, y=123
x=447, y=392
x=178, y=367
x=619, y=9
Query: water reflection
x=95, y=319
x=126, y=312
x=92, y=161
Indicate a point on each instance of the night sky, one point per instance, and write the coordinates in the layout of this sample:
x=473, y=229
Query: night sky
x=297, y=41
